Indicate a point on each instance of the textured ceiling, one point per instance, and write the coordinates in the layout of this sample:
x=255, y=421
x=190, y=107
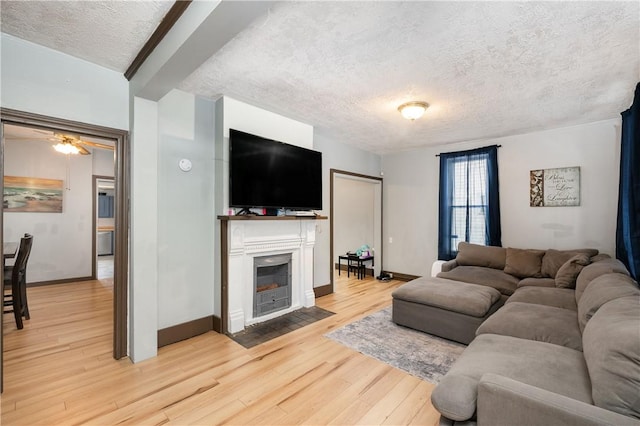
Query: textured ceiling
x=488, y=69
x=107, y=33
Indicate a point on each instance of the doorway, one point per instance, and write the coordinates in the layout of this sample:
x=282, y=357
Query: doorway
x=356, y=217
x=120, y=141
x=104, y=227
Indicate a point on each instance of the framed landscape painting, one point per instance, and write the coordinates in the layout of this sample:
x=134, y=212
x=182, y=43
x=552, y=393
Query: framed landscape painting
x=27, y=194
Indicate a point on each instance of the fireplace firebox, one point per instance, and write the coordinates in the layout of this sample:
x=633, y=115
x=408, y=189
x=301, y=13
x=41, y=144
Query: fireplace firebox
x=272, y=284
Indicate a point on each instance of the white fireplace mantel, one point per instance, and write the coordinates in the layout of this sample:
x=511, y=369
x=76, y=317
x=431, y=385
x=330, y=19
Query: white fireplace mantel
x=249, y=237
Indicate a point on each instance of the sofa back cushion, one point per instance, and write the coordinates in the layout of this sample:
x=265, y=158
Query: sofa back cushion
x=524, y=263
x=602, y=290
x=611, y=348
x=477, y=255
x=554, y=259
x=594, y=270
x=567, y=274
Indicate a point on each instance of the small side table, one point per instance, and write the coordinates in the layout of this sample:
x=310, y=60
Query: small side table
x=354, y=261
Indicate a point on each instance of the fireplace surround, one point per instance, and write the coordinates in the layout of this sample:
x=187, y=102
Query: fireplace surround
x=245, y=239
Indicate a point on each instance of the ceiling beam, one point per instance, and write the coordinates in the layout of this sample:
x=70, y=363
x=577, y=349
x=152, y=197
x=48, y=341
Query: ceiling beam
x=202, y=30
x=163, y=28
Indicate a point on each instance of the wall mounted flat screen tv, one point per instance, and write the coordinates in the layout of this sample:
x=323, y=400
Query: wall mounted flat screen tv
x=265, y=173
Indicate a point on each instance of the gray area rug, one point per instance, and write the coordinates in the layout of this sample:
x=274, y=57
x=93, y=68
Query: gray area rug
x=419, y=354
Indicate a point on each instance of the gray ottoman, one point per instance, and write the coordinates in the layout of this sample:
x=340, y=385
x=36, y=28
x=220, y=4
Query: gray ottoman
x=446, y=308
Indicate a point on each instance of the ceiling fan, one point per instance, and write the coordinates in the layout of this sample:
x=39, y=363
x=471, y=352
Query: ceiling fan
x=68, y=144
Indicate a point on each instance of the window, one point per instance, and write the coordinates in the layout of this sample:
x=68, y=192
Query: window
x=469, y=204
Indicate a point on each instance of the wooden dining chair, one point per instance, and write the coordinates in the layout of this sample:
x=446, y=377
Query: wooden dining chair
x=15, y=283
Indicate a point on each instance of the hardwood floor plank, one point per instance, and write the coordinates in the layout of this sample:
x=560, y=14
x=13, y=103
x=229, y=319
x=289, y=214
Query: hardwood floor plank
x=410, y=406
x=59, y=370
x=381, y=411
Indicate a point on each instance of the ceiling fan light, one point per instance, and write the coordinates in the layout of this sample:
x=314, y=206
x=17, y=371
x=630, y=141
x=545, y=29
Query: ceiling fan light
x=66, y=148
x=413, y=110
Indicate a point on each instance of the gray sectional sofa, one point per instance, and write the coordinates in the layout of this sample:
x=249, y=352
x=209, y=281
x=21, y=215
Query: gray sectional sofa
x=564, y=348
x=507, y=269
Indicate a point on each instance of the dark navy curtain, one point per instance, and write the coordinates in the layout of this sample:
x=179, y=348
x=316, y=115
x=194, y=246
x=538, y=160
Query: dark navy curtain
x=628, y=230
x=469, y=201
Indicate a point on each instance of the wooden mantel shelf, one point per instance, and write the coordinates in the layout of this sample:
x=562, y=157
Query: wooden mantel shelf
x=251, y=217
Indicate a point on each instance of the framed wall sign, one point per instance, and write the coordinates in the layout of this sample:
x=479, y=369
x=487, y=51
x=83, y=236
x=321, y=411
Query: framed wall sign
x=554, y=187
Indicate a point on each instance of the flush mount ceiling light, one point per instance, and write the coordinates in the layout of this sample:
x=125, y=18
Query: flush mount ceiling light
x=413, y=110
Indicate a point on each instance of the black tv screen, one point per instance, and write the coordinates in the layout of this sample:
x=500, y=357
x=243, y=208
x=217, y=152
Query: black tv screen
x=265, y=173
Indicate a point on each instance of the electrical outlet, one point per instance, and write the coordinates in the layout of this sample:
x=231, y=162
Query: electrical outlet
x=390, y=274
x=390, y=240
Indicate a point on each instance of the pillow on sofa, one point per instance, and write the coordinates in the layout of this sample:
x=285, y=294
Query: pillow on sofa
x=554, y=259
x=594, y=270
x=611, y=347
x=523, y=263
x=477, y=255
x=567, y=274
x=601, y=290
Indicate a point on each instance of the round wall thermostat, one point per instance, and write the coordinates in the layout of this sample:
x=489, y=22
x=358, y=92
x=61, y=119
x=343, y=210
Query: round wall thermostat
x=185, y=165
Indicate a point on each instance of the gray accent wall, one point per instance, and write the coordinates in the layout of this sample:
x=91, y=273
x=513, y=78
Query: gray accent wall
x=185, y=203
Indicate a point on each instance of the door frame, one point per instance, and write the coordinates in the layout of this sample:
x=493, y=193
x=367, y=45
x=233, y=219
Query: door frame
x=94, y=245
x=122, y=188
x=379, y=250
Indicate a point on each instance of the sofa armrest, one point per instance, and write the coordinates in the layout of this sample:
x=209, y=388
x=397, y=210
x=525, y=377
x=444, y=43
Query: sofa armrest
x=448, y=265
x=504, y=401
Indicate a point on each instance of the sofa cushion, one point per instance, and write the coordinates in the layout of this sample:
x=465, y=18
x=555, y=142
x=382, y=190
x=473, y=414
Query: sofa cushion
x=477, y=255
x=594, y=270
x=567, y=274
x=465, y=298
x=523, y=360
x=611, y=343
x=535, y=322
x=558, y=297
x=537, y=282
x=601, y=290
x=554, y=259
x=504, y=283
x=524, y=263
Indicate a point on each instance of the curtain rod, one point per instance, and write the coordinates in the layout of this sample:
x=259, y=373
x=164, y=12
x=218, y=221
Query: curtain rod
x=499, y=146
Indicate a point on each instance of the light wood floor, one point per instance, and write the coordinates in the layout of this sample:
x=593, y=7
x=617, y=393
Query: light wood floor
x=59, y=370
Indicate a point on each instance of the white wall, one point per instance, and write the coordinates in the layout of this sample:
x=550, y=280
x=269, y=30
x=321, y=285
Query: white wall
x=61, y=241
x=411, y=194
x=336, y=155
x=185, y=206
x=143, y=265
x=103, y=162
x=43, y=81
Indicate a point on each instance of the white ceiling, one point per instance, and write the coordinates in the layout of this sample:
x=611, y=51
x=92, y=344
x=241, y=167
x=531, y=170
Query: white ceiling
x=488, y=69
x=108, y=33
